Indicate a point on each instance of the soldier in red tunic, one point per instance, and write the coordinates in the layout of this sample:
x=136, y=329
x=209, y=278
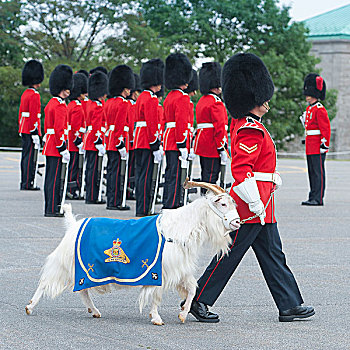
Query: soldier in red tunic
x=134, y=94
x=94, y=142
x=147, y=140
x=177, y=112
x=211, y=116
x=121, y=81
x=76, y=130
x=55, y=148
x=29, y=121
x=247, y=88
x=317, y=137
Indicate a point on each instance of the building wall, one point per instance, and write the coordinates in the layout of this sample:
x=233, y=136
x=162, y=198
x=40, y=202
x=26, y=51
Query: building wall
x=335, y=65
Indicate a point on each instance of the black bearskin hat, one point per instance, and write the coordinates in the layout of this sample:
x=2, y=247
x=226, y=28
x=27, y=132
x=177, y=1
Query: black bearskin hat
x=137, y=83
x=32, y=73
x=121, y=77
x=61, y=78
x=193, y=84
x=246, y=83
x=98, y=69
x=209, y=77
x=83, y=71
x=315, y=86
x=152, y=73
x=97, y=85
x=178, y=70
x=80, y=82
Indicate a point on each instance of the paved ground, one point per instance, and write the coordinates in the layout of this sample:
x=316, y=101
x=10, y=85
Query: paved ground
x=316, y=242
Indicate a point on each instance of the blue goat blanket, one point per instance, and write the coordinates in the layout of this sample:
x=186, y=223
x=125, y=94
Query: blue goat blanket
x=126, y=252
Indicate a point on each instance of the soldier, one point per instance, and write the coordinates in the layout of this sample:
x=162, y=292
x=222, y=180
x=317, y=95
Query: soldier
x=134, y=94
x=177, y=111
x=76, y=130
x=121, y=81
x=29, y=122
x=55, y=148
x=318, y=135
x=247, y=89
x=94, y=138
x=211, y=115
x=146, y=141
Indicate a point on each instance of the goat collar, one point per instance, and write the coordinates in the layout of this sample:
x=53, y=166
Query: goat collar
x=226, y=218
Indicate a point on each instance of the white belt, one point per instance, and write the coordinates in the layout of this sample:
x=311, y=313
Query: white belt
x=171, y=125
x=205, y=125
x=50, y=132
x=268, y=177
x=103, y=129
x=312, y=132
x=141, y=124
x=39, y=115
x=69, y=127
x=25, y=114
x=82, y=130
x=65, y=131
x=226, y=127
x=89, y=128
x=112, y=127
x=126, y=128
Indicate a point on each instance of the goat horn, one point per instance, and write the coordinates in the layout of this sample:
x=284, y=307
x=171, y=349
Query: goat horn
x=212, y=187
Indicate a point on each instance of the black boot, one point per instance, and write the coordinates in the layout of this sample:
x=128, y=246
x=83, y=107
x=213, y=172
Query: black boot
x=296, y=312
x=201, y=313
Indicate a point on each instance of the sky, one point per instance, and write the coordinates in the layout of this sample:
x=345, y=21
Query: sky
x=304, y=9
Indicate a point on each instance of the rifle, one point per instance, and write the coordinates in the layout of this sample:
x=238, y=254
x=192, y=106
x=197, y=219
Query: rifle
x=63, y=185
x=154, y=187
x=35, y=156
x=183, y=176
x=100, y=169
x=124, y=162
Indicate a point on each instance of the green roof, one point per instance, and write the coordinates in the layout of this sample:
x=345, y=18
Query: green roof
x=331, y=25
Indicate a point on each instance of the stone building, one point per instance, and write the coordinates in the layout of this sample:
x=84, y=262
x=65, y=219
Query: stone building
x=330, y=37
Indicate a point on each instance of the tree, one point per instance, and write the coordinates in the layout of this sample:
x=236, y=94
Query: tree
x=69, y=30
x=219, y=29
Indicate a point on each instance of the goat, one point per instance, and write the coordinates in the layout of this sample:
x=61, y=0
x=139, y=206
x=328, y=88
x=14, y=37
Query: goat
x=206, y=220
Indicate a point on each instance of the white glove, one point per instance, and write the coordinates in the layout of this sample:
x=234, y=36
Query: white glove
x=123, y=153
x=44, y=138
x=302, y=118
x=81, y=149
x=223, y=156
x=277, y=180
x=158, y=156
x=323, y=148
x=191, y=155
x=258, y=209
x=36, y=139
x=101, y=149
x=65, y=156
x=184, y=153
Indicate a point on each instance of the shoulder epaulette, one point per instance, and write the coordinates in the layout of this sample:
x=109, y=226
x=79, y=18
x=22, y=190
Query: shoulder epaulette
x=251, y=123
x=217, y=98
x=77, y=102
x=319, y=105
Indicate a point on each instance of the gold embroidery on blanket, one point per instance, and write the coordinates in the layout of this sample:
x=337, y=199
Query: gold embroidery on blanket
x=116, y=253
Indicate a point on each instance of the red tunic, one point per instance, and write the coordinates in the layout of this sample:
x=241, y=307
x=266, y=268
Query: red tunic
x=131, y=123
x=161, y=121
x=117, y=118
x=210, y=140
x=76, y=120
x=190, y=125
x=176, y=109
x=55, y=125
x=253, y=150
x=317, y=120
x=96, y=125
x=146, y=118
x=29, y=113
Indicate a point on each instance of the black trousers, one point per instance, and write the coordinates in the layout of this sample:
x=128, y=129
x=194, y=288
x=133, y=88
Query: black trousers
x=131, y=173
x=114, y=194
x=266, y=244
x=172, y=183
x=73, y=172
x=27, y=162
x=144, y=161
x=52, y=184
x=91, y=176
x=210, y=169
x=317, y=176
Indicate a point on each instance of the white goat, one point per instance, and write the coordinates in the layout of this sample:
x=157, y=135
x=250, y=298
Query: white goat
x=208, y=219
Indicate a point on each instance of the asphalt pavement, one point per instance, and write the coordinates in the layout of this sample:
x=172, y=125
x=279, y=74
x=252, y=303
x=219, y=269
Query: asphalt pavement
x=316, y=241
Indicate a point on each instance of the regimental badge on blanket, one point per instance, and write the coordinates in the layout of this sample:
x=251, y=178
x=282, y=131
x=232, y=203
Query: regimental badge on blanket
x=126, y=252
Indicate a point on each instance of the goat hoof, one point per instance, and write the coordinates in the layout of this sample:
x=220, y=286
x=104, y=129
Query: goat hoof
x=89, y=311
x=97, y=315
x=158, y=323
x=28, y=311
x=182, y=318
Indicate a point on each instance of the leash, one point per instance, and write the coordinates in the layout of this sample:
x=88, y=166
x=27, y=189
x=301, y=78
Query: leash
x=256, y=216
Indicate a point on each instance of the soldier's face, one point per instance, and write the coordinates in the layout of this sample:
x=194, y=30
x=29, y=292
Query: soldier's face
x=310, y=100
x=64, y=94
